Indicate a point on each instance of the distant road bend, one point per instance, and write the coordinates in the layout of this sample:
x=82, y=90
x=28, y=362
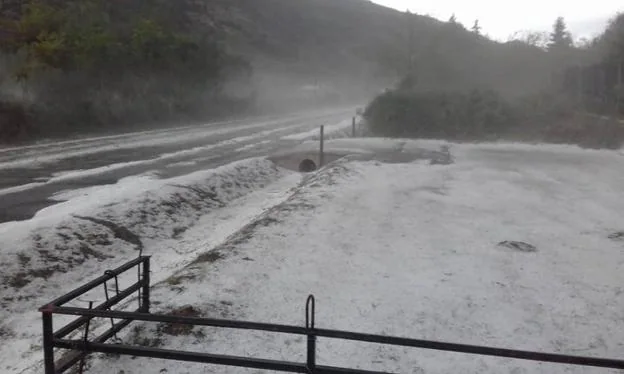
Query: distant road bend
x=31, y=175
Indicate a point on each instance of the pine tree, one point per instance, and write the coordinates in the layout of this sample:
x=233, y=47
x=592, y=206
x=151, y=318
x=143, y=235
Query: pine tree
x=612, y=40
x=560, y=38
x=476, y=28
x=453, y=19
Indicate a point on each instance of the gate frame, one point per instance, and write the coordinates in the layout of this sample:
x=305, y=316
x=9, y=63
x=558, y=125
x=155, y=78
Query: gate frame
x=80, y=348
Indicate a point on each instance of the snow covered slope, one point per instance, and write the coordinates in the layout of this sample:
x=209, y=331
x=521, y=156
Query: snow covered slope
x=99, y=228
x=413, y=250
x=409, y=249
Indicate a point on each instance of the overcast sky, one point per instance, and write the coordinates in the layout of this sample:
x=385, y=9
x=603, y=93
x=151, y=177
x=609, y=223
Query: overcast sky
x=502, y=18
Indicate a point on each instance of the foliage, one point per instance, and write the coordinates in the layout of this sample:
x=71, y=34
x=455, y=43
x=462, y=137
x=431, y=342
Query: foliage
x=613, y=38
x=437, y=114
x=486, y=116
x=560, y=38
x=537, y=39
x=85, y=35
x=93, y=63
x=476, y=28
x=597, y=86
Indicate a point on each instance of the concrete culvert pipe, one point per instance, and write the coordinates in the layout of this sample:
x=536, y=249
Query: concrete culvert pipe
x=307, y=166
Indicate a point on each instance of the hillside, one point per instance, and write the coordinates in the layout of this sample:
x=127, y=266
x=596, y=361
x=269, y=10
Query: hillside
x=94, y=65
x=356, y=43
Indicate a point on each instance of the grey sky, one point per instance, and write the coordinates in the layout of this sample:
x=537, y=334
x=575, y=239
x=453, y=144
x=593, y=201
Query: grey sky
x=500, y=19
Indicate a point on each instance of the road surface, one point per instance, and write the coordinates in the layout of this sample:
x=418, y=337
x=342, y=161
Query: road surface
x=30, y=176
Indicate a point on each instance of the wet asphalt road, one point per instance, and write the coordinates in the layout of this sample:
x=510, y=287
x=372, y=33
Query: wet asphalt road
x=30, y=176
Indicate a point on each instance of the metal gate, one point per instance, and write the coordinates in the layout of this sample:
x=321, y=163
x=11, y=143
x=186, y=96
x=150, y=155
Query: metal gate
x=78, y=349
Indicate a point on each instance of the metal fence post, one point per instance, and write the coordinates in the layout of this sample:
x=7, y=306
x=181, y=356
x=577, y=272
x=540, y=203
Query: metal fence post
x=353, y=128
x=321, y=151
x=48, y=340
x=310, y=312
x=145, y=302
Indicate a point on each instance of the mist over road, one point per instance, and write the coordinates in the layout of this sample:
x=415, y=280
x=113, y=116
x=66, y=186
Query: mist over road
x=31, y=175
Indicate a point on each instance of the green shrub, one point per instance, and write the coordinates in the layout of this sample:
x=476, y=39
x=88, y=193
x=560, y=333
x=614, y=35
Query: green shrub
x=14, y=121
x=486, y=116
x=91, y=65
x=449, y=115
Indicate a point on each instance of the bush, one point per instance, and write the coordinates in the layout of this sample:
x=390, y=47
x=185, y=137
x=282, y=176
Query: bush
x=486, y=116
x=14, y=122
x=448, y=115
x=91, y=65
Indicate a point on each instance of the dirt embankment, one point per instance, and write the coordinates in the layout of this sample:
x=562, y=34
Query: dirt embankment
x=14, y=124
x=587, y=130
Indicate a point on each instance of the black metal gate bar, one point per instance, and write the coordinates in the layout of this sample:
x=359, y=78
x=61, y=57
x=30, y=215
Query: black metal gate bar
x=48, y=342
x=68, y=362
x=168, y=354
x=81, y=348
x=145, y=296
x=77, y=323
x=47, y=312
x=197, y=321
x=320, y=369
x=310, y=316
x=337, y=334
x=96, y=282
x=473, y=349
x=207, y=358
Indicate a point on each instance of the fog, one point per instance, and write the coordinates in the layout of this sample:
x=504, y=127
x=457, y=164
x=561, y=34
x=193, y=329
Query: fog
x=187, y=132
x=205, y=63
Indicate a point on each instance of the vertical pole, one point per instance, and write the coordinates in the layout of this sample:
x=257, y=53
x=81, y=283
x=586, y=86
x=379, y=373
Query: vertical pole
x=145, y=303
x=353, y=128
x=310, y=322
x=48, y=341
x=321, y=151
x=311, y=362
x=85, y=340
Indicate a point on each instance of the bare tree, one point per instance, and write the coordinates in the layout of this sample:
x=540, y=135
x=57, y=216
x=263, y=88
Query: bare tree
x=538, y=39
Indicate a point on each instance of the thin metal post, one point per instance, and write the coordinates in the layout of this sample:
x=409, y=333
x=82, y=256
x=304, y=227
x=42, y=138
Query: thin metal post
x=48, y=341
x=145, y=303
x=353, y=128
x=311, y=356
x=321, y=151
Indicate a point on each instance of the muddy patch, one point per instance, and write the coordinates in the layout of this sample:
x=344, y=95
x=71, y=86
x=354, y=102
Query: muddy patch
x=120, y=232
x=209, y=257
x=176, y=329
x=517, y=246
x=617, y=236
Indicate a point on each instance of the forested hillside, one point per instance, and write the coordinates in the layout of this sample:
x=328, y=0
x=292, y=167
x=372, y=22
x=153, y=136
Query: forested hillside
x=90, y=65
x=83, y=65
x=363, y=43
x=580, y=101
